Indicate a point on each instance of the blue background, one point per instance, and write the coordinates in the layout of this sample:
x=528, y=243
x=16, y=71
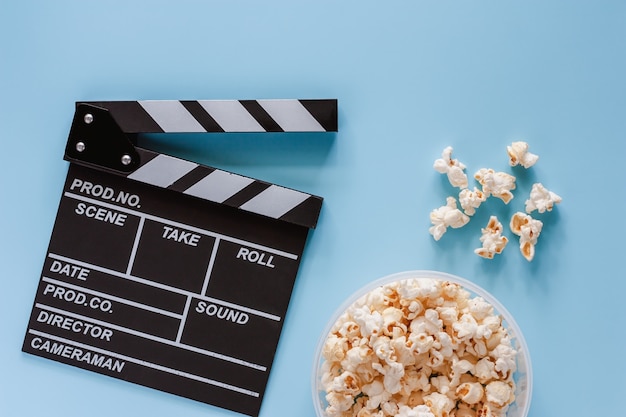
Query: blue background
x=411, y=77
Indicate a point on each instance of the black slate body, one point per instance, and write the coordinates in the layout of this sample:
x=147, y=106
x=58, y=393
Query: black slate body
x=164, y=289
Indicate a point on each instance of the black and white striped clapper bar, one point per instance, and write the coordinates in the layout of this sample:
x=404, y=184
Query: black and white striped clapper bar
x=167, y=273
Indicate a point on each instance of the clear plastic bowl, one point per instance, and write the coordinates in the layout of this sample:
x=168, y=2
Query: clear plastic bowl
x=523, y=376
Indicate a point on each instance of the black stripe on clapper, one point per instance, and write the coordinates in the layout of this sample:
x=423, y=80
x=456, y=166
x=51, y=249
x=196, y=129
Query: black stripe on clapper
x=308, y=209
x=261, y=116
x=191, y=178
x=324, y=111
x=197, y=111
x=246, y=194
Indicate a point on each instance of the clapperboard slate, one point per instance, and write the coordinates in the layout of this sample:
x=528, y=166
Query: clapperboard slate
x=167, y=273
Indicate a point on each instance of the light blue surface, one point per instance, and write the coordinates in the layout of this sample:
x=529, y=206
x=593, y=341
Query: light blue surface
x=411, y=77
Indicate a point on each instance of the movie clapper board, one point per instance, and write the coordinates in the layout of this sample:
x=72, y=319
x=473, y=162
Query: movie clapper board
x=167, y=273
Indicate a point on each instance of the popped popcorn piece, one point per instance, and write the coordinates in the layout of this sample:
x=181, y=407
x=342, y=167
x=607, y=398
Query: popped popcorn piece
x=369, y=322
x=485, y=370
x=392, y=320
x=528, y=229
x=350, y=333
x=389, y=408
x=488, y=326
x=471, y=200
x=488, y=410
x=498, y=184
x=480, y=309
x=495, y=338
x=441, y=383
x=446, y=216
x=415, y=383
x=393, y=373
x=334, y=348
x=428, y=323
x=419, y=411
x=470, y=392
x=346, y=382
x=440, y=405
x=492, y=239
x=446, y=345
x=464, y=410
x=412, y=310
x=422, y=342
x=366, y=373
x=504, y=355
x=499, y=393
x=356, y=356
x=435, y=358
x=541, y=199
x=338, y=403
x=460, y=367
x=376, y=394
x=448, y=314
x=443, y=361
x=382, y=348
x=329, y=371
x=519, y=155
x=403, y=350
x=452, y=167
x=466, y=327
x=364, y=412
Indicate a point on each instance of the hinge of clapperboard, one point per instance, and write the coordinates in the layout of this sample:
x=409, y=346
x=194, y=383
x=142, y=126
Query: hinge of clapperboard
x=103, y=136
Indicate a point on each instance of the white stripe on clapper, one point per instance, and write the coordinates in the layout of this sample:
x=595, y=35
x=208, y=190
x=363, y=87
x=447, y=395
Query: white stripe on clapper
x=171, y=116
x=291, y=115
x=218, y=186
x=162, y=171
x=274, y=201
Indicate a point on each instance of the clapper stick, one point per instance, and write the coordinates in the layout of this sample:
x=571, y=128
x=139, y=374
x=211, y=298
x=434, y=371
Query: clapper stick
x=167, y=273
x=186, y=116
x=98, y=137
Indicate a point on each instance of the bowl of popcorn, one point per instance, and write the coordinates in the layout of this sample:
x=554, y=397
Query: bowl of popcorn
x=422, y=344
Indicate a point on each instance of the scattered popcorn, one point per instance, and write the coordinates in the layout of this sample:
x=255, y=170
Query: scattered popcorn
x=451, y=356
x=446, y=216
x=519, y=155
x=492, y=239
x=528, y=229
x=471, y=200
x=541, y=199
x=498, y=184
x=452, y=167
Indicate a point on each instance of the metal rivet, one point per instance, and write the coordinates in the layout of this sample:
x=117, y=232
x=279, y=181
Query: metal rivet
x=126, y=159
x=80, y=146
x=88, y=118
